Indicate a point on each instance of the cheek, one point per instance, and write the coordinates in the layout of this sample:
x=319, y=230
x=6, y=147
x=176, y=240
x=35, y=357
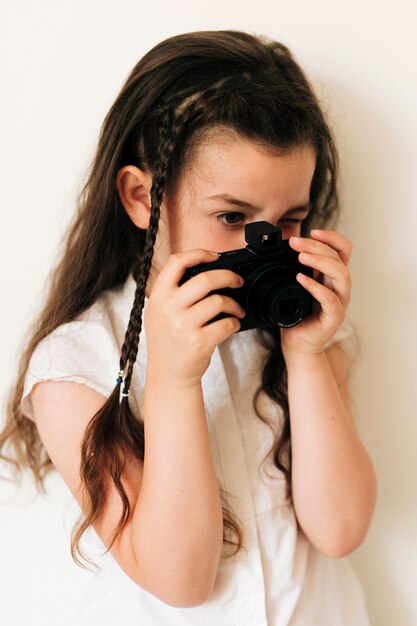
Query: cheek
x=217, y=237
x=230, y=242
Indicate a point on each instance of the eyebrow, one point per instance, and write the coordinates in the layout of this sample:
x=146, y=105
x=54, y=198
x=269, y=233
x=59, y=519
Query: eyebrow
x=247, y=205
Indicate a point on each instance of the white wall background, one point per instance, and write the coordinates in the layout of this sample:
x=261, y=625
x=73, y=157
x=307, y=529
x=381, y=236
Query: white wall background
x=62, y=64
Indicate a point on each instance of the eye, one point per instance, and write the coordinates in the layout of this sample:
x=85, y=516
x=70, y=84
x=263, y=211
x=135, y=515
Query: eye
x=236, y=222
x=227, y=215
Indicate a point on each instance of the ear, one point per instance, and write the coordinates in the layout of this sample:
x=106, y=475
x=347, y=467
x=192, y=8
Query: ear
x=134, y=187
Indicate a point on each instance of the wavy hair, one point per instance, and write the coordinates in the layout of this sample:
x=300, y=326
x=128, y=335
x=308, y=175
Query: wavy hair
x=181, y=89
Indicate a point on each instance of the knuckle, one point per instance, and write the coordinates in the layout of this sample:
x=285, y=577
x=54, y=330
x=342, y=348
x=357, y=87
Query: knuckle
x=180, y=323
x=175, y=259
x=332, y=298
x=218, y=299
x=232, y=323
x=167, y=312
x=346, y=273
x=205, y=279
x=165, y=309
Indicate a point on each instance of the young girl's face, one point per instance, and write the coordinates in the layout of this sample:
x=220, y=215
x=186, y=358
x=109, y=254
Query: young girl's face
x=232, y=182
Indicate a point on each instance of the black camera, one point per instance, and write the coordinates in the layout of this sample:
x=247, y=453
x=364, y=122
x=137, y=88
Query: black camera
x=270, y=295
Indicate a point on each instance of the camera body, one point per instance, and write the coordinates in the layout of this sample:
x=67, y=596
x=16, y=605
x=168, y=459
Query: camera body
x=271, y=296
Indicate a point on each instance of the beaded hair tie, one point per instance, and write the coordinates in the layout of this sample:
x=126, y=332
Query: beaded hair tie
x=119, y=380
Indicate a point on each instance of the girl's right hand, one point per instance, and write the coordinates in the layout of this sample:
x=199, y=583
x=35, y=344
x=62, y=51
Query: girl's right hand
x=180, y=342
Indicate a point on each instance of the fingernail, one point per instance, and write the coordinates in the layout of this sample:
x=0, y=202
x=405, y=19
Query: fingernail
x=214, y=253
x=319, y=233
x=296, y=239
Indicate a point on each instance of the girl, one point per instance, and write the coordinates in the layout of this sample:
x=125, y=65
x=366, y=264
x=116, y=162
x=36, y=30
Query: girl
x=254, y=482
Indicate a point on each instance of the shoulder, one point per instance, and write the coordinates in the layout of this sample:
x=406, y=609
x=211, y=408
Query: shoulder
x=85, y=350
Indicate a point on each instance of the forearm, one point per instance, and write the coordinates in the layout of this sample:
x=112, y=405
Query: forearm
x=333, y=480
x=178, y=522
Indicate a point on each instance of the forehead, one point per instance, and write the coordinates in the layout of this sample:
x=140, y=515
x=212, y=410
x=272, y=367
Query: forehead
x=231, y=164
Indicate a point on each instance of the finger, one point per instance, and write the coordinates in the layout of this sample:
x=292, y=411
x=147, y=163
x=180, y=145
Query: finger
x=177, y=263
x=336, y=271
x=330, y=303
x=207, y=308
x=335, y=240
x=304, y=244
x=216, y=332
x=203, y=283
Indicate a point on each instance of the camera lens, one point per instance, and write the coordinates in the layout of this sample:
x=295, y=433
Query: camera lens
x=289, y=307
x=275, y=297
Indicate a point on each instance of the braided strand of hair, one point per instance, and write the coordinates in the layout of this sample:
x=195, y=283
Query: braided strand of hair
x=168, y=135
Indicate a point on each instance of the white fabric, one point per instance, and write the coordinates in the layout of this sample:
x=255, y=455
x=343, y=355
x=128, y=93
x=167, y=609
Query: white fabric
x=282, y=580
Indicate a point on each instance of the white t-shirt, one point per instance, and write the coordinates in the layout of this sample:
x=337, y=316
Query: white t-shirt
x=281, y=580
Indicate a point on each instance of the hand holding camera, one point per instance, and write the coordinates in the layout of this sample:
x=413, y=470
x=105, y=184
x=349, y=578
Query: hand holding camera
x=179, y=337
x=328, y=254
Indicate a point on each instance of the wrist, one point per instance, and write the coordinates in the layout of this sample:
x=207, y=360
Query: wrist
x=294, y=357
x=165, y=379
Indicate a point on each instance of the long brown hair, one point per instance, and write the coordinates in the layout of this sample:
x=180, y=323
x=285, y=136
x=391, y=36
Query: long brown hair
x=183, y=87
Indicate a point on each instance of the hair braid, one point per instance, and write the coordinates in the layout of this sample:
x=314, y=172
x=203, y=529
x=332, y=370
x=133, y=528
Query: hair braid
x=168, y=135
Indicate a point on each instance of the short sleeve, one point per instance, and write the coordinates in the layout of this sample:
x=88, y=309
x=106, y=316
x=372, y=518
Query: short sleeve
x=83, y=351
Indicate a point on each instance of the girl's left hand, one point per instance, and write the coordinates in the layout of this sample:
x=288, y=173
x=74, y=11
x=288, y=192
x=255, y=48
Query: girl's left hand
x=328, y=253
